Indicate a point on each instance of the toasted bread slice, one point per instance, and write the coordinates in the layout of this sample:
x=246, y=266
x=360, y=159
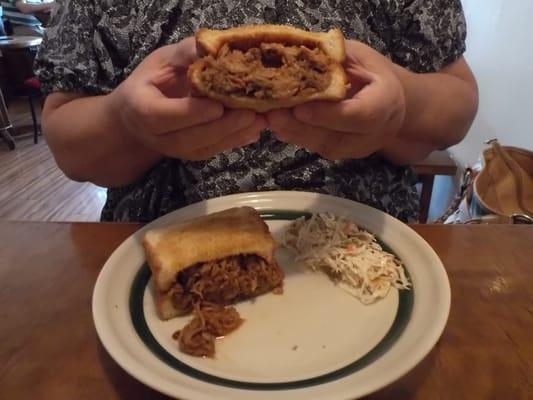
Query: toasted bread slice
x=331, y=43
x=216, y=236
x=210, y=41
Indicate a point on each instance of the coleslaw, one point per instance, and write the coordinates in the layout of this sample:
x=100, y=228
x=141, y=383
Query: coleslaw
x=348, y=254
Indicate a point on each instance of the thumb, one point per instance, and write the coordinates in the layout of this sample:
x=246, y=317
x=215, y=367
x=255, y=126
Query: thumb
x=358, y=78
x=184, y=53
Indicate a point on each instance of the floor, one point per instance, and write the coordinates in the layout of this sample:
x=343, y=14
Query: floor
x=32, y=188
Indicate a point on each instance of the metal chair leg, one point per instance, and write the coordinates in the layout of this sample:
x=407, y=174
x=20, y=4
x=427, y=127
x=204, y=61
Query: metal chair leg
x=7, y=137
x=34, y=119
x=6, y=129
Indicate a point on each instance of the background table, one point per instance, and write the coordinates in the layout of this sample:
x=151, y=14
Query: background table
x=437, y=163
x=49, y=348
x=17, y=54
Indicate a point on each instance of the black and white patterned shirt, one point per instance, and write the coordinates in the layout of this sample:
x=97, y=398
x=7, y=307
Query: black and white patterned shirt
x=93, y=45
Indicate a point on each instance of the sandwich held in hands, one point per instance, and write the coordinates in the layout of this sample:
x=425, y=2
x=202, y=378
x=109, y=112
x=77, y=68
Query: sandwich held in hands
x=265, y=67
x=209, y=262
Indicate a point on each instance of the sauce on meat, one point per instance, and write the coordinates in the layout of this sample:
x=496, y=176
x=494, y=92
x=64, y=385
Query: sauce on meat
x=268, y=71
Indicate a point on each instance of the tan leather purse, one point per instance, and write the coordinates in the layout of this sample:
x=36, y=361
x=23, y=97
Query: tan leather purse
x=500, y=192
x=504, y=186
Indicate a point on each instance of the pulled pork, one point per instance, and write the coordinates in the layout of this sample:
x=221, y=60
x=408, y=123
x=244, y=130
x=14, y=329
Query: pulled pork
x=226, y=281
x=210, y=321
x=270, y=71
x=207, y=287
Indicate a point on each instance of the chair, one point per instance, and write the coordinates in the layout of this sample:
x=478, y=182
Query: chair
x=32, y=90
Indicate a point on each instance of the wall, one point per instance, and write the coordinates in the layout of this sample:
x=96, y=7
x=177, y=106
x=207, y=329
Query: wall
x=500, y=52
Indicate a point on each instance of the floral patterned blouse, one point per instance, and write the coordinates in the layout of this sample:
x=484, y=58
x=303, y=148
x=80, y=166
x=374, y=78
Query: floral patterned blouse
x=93, y=45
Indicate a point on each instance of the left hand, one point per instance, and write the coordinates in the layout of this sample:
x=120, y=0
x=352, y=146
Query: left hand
x=362, y=124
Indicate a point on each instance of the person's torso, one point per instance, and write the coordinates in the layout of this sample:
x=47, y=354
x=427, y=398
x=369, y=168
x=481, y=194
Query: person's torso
x=129, y=31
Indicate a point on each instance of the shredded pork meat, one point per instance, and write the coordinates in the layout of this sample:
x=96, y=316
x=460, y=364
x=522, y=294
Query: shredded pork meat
x=207, y=287
x=211, y=321
x=226, y=281
x=270, y=71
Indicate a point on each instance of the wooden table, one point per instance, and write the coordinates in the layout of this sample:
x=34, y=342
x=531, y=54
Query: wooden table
x=49, y=348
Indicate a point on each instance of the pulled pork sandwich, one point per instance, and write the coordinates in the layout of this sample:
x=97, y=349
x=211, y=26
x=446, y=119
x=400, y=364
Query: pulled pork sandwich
x=209, y=262
x=265, y=67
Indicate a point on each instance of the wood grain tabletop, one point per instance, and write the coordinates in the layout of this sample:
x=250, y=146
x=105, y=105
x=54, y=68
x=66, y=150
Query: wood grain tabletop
x=49, y=348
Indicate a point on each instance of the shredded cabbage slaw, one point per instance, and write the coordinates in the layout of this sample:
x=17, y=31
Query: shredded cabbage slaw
x=350, y=255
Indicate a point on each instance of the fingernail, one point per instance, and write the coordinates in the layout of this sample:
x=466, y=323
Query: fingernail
x=303, y=113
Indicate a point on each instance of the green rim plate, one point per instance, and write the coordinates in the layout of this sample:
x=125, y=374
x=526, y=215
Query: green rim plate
x=403, y=313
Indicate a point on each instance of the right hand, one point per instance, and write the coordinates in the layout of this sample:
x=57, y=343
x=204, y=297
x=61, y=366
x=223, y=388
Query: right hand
x=154, y=107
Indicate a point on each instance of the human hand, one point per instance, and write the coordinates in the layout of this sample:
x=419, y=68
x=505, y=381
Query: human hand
x=153, y=106
x=364, y=123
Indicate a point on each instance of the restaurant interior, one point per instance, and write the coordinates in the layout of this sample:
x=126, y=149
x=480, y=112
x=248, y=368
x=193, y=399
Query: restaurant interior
x=50, y=230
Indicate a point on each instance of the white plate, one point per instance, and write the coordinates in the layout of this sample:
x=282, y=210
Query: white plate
x=313, y=342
